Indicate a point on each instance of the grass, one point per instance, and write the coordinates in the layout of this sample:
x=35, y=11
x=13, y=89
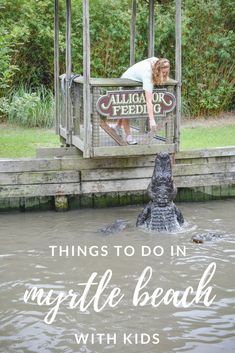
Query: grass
x=207, y=137
x=17, y=142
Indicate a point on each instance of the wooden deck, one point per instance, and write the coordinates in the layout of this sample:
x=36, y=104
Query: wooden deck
x=60, y=172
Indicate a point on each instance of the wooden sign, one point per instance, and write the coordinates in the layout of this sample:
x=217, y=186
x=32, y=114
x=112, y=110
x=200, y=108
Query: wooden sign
x=132, y=103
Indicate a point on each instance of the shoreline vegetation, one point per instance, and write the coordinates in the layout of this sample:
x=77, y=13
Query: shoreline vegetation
x=218, y=131
x=26, y=50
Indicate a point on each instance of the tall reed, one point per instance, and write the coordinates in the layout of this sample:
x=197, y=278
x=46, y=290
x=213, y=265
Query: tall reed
x=30, y=108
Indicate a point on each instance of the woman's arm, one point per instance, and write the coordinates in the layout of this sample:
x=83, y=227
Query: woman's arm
x=149, y=102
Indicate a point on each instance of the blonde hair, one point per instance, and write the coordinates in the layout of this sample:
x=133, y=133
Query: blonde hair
x=157, y=77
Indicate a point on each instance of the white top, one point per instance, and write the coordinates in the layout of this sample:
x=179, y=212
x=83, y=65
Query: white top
x=142, y=72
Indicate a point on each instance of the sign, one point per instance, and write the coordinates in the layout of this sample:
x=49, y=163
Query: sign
x=132, y=103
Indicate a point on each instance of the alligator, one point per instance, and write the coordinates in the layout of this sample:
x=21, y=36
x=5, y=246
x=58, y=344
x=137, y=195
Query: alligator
x=116, y=227
x=206, y=237
x=161, y=214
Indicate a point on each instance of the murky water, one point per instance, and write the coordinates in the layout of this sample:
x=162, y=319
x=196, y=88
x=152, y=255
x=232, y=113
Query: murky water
x=26, y=261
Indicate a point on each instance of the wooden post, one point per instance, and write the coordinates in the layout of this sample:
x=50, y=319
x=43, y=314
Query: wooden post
x=61, y=203
x=86, y=86
x=151, y=29
x=178, y=72
x=76, y=109
x=68, y=108
x=133, y=32
x=95, y=117
x=56, y=66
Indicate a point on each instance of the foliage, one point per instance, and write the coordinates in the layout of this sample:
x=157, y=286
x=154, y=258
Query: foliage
x=26, y=45
x=8, y=69
x=29, y=26
x=208, y=65
x=29, y=109
x=109, y=38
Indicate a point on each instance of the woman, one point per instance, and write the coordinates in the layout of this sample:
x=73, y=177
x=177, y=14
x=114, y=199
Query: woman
x=150, y=72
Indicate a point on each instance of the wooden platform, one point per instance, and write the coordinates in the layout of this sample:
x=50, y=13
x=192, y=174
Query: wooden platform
x=199, y=175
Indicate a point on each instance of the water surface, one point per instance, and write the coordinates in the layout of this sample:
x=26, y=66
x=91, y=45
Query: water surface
x=26, y=261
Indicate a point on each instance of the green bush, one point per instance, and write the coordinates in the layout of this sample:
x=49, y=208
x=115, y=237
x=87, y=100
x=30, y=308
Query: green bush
x=208, y=65
x=29, y=26
x=7, y=69
x=26, y=45
x=29, y=109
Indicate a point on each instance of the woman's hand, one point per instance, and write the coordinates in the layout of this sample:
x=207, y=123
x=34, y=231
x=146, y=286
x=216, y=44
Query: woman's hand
x=149, y=102
x=152, y=125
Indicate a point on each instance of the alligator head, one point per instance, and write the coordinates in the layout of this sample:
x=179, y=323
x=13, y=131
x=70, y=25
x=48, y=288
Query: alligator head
x=161, y=189
x=161, y=213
